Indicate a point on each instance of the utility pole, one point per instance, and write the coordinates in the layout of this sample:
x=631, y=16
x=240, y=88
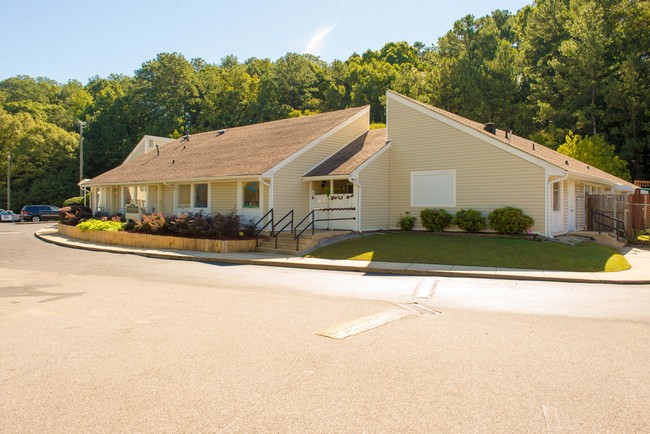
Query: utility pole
x=82, y=124
x=8, y=181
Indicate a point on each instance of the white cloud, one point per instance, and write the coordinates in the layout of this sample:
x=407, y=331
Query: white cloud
x=317, y=41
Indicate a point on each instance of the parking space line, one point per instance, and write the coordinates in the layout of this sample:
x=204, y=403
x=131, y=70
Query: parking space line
x=365, y=323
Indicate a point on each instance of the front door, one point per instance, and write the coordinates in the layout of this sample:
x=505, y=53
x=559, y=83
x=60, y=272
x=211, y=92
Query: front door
x=571, y=206
x=557, y=209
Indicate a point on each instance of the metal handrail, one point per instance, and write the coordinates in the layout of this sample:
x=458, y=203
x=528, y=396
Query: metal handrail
x=270, y=222
x=290, y=222
x=602, y=223
x=313, y=221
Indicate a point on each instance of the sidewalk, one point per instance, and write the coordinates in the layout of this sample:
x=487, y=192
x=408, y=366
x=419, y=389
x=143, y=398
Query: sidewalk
x=639, y=259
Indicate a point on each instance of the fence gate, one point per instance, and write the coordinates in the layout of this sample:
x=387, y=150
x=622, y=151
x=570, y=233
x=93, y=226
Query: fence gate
x=337, y=201
x=633, y=209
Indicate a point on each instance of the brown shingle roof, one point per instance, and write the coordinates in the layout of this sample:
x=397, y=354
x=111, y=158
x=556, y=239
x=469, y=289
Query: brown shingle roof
x=243, y=151
x=571, y=165
x=353, y=155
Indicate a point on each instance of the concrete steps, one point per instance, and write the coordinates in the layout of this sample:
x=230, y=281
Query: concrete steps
x=287, y=242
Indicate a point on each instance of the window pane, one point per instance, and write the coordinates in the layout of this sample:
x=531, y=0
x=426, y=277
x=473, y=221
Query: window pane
x=251, y=195
x=201, y=196
x=184, y=195
x=556, y=196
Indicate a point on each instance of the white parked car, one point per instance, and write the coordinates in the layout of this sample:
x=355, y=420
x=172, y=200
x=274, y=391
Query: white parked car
x=9, y=217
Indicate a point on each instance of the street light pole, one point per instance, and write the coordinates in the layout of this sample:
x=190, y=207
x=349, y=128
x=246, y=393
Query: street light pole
x=82, y=124
x=8, y=181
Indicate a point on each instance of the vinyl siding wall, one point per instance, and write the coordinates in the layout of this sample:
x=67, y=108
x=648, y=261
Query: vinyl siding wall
x=152, y=198
x=116, y=204
x=167, y=206
x=290, y=192
x=375, y=185
x=223, y=197
x=486, y=177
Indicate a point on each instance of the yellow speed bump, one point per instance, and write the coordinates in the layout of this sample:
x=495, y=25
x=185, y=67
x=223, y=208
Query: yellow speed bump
x=365, y=323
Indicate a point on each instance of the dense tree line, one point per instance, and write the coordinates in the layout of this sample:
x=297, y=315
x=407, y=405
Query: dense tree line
x=572, y=72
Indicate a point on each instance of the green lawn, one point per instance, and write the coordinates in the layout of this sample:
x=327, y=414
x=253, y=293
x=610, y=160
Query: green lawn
x=430, y=248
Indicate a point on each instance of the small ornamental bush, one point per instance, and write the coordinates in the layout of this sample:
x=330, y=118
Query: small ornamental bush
x=435, y=219
x=100, y=225
x=153, y=223
x=469, y=220
x=77, y=200
x=73, y=214
x=509, y=220
x=197, y=225
x=406, y=222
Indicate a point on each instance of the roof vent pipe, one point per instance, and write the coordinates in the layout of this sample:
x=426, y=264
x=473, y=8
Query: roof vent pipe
x=490, y=128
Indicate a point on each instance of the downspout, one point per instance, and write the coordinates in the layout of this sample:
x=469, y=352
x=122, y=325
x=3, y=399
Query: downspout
x=549, y=210
x=270, y=190
x=358, y=184
x=270, y=204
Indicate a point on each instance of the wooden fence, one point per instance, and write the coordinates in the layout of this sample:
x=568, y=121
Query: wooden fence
x=633, y=209
x=129, y=239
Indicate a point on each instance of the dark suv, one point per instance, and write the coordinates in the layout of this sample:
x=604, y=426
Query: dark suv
x=36, y=213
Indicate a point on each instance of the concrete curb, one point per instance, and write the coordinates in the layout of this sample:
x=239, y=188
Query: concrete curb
x=620, y=278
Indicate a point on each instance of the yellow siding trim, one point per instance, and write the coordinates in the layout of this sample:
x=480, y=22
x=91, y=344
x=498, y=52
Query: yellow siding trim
x=375, y=184
x=223, y=197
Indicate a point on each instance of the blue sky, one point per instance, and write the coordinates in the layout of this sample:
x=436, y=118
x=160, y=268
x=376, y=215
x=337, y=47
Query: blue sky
x=66, y=39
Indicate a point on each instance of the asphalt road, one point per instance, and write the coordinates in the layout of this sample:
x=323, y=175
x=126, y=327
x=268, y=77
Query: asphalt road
x=97, y=342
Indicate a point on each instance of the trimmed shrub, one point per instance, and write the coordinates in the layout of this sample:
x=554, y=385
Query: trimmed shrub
x=435, y=219
x=406, y=222
x=74, y=214
x=509, y=220
x=470, y=220
x=77, y=200
x=100, y=225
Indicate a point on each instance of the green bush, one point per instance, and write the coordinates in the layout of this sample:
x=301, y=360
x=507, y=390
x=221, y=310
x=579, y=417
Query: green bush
x=406, y=222
x=77, y=200
x=470, y=220
x=509, y=220
x=435, y=219
x=100, y=225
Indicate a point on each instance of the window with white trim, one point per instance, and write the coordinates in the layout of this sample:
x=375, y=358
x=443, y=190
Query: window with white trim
x=433, y=188
x=251, y=194
x=201, y=195
x=192, y=196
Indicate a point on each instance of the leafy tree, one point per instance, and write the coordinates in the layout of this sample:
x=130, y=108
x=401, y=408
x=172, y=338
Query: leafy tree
x=165, y=91
x=112, y=128
x=226, y=95
x=595, y=151
x=43, y=159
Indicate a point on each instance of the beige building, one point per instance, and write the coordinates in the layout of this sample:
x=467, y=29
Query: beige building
x=355, y=178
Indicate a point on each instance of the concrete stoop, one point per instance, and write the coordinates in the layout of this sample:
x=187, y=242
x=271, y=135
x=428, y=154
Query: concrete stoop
x=287, y=242
x=603, y=238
